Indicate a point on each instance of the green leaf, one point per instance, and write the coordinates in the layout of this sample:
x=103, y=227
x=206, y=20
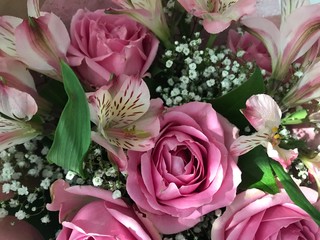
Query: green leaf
x=230, y=104
x=72, y=136
x=295, y=118
x=256, y=171
x=294, y=191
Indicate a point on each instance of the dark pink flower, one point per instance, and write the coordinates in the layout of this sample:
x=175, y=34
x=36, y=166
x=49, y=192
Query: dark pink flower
x=189, y=172
x=86, y=211
x=257, y=215
x=103, y=45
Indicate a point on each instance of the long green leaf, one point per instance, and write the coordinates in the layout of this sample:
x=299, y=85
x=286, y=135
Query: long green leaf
x=230, y=104
x=72, y=136
x=294, y=191
x=256, y=171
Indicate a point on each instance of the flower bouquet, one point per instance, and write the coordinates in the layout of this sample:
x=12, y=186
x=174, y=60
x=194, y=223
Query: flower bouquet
x=174, y=120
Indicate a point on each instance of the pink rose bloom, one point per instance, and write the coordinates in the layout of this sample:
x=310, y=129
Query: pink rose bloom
x=257, y=215
x=105, y=44
x=254, y=50
x=87, y=212
x=20, y=229
x=189, y=172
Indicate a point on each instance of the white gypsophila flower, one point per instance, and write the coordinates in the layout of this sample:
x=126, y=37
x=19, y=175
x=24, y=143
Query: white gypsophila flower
x=184, y=79
x=116, y=194
x=240, y=53
x=23, y=190
x=170, y=82
x=169, y=102
x=220, y=56
x=186, y=51
x=30, y=146
x=298, y=74
x=45, y=219
x=14, y=185
x=6, y=188
x=70, y=175
x=20, y=215
x=45, y=183
x=192, y=66
x=13, y=203
x=175, y=92
x=34, y=158
x=33, y=209
x=45, y=150
x=169, y=63
x=226, y=62
x=4, y=155
x=214, y=58
x=3, y=212
x=168, y=53
x=188, y=60
x=224, y=73
x=47, y=173
x=32, y=197
x=193, y=74
x=7, y=171
x=210, y=82
x=97, y=181
x=179, y=236
x=19, y=156
x=33, y=172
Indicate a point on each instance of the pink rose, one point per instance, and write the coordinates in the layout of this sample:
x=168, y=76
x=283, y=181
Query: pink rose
x=257, y=215
x=87, y=212
x=105, y=44
x=13, y=229
x=189, y=172
x=254, y=50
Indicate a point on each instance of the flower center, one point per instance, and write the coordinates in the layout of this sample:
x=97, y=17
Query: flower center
x=275, y=136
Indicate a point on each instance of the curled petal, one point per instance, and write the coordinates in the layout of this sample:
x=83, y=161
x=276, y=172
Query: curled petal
x=42, y=42
x=283, y=156
x=262, y=112
x=16, y=75
x=16, y=104
x=298, y=37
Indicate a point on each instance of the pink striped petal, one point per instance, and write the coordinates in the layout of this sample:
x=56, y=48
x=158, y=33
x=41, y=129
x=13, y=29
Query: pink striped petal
x=8, y=25
x=299, y=32
x=262, y=112
x=288, y=6
x=244, y=144
x=14, y=132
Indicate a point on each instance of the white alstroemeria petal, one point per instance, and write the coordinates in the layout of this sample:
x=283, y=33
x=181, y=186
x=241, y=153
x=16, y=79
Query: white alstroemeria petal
x=288, y=6
x=130, y=103
x=283, y=156
x=100, y=107
x=262, y=112
x=244, y=144
x=33, y=8
x=14, y=132
x=8, y=25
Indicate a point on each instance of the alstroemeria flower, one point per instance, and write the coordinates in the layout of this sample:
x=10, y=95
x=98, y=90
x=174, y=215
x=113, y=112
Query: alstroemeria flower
x=8, y=25
x=313, y=166
x=147, y=12
x=306, y=89
x=18, y=107
x=264, y=114
x=41, y=41
x=299, y=31
x=125, y=117
x=218, y=15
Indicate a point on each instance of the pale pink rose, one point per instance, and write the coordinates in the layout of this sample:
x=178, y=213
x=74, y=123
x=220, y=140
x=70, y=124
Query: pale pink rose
x=218, y=15
x=254, y=50
x=189, y=172
x=87, y=212
x=13, y=229
x=257, y=215
x=103, y=45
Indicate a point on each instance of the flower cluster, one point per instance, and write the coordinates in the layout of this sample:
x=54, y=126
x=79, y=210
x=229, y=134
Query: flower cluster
x=136, y=119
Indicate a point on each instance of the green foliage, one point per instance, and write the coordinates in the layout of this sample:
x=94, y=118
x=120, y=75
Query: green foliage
x=294, y=191
x=72, y=136
x=256, y=171
x=295, y=118
x=230, y=104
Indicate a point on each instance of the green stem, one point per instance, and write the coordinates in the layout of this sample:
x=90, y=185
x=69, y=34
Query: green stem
x=211, y=40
